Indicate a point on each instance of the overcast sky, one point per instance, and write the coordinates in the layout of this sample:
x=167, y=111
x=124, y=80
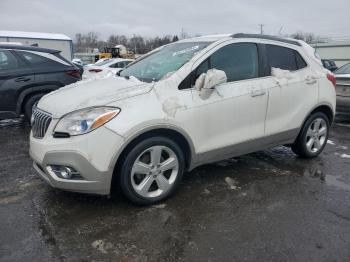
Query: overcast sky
x=160, y=17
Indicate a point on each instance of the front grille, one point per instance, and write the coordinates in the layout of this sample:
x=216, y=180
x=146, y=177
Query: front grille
x=40, y=122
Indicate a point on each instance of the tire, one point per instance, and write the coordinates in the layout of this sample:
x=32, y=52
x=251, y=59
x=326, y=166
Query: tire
x=143, y=179
x=29, y=104
x=313, y=136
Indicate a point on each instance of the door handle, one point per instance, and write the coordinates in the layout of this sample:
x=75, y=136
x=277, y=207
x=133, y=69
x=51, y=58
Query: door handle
x=22, y=79
x=256, y=93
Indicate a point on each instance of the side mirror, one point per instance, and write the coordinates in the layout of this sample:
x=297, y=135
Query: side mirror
x=206, y=83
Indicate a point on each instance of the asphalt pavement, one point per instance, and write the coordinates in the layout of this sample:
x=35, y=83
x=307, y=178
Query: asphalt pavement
x=265, y=206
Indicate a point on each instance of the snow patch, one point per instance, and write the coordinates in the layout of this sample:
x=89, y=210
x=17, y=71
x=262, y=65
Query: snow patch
x=171, y=105
x=102, y=246
x=37, y=35
x=280, y=73
x=330, y=142
x=232, y=183
x=345, y=156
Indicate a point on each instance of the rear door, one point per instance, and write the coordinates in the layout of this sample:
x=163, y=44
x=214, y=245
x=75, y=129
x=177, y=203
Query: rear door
x=294, y=93
x=15, y=76
x=50, y=68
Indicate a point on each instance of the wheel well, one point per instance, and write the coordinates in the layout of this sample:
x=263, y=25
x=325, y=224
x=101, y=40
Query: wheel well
x=169, y=133
x=28, y=96
x=326, y=110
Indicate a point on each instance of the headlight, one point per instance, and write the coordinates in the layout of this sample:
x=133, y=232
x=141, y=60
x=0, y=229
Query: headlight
x=85, y=120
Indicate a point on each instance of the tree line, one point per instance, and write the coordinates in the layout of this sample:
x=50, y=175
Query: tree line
x=90, y=41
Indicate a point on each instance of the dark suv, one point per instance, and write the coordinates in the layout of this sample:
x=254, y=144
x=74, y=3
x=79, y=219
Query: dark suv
x=329, y=64
x=27, y=73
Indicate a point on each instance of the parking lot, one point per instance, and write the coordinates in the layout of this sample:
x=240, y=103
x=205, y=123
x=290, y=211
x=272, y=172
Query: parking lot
x=265, y=206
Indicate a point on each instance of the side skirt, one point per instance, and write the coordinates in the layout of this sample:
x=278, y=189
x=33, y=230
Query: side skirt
x=287, y=137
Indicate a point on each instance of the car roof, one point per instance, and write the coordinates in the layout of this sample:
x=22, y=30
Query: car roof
x=28, y=48
x=214, y=38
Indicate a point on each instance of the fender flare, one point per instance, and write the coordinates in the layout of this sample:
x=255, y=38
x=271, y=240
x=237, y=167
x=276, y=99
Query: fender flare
x=154, y=128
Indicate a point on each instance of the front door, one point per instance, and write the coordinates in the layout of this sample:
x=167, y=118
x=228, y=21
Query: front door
x=235, y=112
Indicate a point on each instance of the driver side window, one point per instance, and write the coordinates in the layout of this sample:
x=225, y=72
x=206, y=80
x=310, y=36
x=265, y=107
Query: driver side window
x=239, y=61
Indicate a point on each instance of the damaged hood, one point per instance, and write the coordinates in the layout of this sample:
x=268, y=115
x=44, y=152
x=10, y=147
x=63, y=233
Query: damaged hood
x=93, y=92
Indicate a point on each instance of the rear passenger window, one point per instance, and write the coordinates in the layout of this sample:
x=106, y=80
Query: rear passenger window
x=239, y=61
x=281, y=57
x=7, y=60
x=284, y=58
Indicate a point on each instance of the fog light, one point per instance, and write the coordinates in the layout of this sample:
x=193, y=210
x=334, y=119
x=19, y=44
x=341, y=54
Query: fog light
x=65, y=172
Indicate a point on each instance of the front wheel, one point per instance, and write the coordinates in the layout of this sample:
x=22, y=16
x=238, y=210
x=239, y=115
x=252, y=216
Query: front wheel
x=313, y=136
x=152, y=170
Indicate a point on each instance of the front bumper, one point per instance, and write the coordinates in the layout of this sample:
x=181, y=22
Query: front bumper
x=343, y=105
x=91, y=155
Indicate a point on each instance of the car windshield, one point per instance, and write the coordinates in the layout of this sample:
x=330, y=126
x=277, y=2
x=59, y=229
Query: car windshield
x=170, y=58
x=345, y=69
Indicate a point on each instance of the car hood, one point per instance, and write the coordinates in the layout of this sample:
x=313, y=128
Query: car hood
x=92, y=92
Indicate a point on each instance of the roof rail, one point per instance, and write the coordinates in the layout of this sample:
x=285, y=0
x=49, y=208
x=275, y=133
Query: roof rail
x=268, y=37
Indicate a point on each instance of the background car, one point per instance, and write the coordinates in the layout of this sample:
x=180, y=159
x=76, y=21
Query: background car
x=27, y=73
x=113, y=65
x=342, y=75
x=79, y=64
x=329, y=64
x=78, y=61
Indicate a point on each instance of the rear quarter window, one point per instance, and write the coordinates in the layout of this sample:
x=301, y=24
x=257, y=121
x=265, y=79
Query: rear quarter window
x=284, y=58
x=37, y=60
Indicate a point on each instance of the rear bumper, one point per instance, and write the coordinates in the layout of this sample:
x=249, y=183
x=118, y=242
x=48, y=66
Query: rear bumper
x=343, y=105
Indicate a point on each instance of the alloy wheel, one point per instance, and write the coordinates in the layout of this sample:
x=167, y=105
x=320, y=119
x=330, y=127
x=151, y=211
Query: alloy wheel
x=316, y=135
x=154, y=171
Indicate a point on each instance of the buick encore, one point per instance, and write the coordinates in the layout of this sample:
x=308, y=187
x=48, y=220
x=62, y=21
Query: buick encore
x=182, y=105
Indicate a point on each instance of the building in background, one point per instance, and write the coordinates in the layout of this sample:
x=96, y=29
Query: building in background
x=45, y=40
x=338, y=51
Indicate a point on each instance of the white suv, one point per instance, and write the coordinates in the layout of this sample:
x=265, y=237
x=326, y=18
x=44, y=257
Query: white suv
x=185, y=104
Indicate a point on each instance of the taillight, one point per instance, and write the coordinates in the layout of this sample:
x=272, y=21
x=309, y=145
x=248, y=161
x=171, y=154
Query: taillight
x=95, y=70
x=331, y=78
x=74, y=73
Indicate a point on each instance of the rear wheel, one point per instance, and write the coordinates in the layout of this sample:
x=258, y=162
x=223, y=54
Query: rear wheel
x=152, y=170
x=313, y=136
x=30, y=104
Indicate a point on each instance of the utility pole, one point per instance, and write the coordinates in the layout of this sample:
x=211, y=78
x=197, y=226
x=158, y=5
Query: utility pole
x=134, y=38
x=261, y=29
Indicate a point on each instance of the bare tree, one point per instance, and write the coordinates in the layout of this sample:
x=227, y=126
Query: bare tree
x=309, y=38
x=88, y=42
